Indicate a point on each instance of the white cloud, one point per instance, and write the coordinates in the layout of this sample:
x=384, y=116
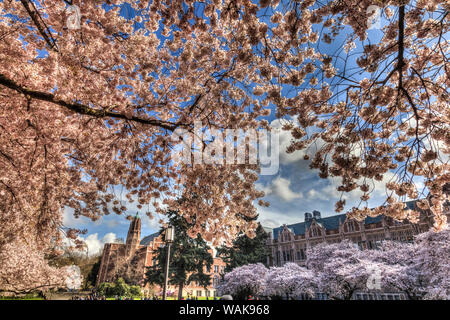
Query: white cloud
x=152, y=224
x=272, y=218
x=95, y=245
x=285, y=141
x=269, y=223
x=316, y=195
x=266, y=189
x=329, y=192
x=280, y=188
x=70, y=221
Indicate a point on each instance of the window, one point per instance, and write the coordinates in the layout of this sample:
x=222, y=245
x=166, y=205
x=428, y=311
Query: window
x=207, y=293
x=199, y=293
x=208, y=269
x=378, y=243
x=216, y=269
x=301, y=254
x=216, y=281
x=351, y=226
x=321, y=296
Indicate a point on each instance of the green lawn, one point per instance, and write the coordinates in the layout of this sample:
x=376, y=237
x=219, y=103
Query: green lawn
x=22, y=298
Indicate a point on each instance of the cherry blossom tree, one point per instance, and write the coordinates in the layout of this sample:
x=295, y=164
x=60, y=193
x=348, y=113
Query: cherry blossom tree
x=86, y=110
x=241, y=282
x=423, y=265
x=431, y=264
x=401, y=255
x=89, y=107
x=27, y=270
x=290, y=280
x=419, y=269
x=371, y=105
x=342, y=268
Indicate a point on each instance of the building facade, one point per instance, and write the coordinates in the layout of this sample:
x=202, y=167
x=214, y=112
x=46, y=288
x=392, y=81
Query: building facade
x=289, y=243
x=131, y=259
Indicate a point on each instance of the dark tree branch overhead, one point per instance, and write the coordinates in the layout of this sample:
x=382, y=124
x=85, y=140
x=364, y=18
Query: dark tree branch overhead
x=81, y=108
x=401, y=61
x=43, y=30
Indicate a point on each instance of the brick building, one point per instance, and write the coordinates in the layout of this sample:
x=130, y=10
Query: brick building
x=130, y=260
x=288, y=243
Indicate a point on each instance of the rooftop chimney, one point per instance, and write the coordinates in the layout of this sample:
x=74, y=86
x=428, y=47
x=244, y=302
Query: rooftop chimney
x=308, y=216
x=316, y=214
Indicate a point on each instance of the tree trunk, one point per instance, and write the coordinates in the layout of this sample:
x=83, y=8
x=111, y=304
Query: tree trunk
x=180, y=291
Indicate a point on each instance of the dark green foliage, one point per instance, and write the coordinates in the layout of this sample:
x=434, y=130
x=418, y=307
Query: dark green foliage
x=188, y=258
x=92, y=275
x=245, y=250
x=118, y=288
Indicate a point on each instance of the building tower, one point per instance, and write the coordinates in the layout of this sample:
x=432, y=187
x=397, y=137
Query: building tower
x=134, y=235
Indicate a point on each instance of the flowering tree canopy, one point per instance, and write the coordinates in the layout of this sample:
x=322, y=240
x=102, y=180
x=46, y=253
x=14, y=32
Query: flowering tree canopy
x=424, y=265
x=340, y=269
x=432, y=264
x=86, y=109
x=244, y=281
x=289, y=280
x=27, y=270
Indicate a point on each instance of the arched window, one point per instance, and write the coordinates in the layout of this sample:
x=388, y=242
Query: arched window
x=351, y=226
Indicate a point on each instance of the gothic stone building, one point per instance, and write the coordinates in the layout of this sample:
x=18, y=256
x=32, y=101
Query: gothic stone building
x=130, y=260
x=288, y=243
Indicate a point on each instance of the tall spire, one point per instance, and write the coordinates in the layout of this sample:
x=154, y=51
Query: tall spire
x=134, y=234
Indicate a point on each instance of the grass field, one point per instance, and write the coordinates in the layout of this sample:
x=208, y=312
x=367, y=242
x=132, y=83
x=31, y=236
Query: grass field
x=67, y=296
x=27, y=297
